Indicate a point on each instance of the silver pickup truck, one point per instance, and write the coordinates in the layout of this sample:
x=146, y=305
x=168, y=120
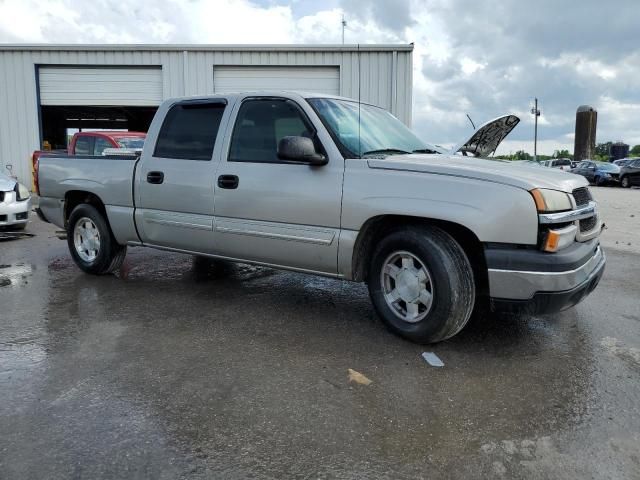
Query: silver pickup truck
x=330, y=186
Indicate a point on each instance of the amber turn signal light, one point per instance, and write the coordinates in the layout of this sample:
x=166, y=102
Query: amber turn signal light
x=552, y=242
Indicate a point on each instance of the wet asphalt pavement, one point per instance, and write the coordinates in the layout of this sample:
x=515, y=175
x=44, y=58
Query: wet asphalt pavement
x=179, y=369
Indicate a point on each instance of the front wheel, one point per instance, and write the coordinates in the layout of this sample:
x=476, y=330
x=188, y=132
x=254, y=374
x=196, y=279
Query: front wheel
x=91, y=243
x=624, y=181
x=421, y=284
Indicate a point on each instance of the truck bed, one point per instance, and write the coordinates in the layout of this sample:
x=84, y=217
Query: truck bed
x=110, y=178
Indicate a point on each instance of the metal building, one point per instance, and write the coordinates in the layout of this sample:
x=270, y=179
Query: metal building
x=47, y=91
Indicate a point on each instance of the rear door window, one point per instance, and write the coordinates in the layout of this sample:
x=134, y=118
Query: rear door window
x=189, y=131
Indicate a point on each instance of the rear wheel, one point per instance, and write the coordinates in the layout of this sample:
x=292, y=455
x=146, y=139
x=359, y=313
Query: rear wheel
x=624, y=181
x=421, y=284
x=91, y=243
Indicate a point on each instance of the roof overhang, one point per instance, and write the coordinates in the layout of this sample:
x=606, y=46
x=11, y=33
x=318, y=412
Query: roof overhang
x=203, y=47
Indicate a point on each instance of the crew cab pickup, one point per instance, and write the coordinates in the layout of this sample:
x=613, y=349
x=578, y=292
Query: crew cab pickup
x=329, y=186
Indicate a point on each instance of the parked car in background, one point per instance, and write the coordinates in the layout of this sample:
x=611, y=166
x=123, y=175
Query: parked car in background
x=343, y=189
x=600, y=173
x=630, y=174
x=560, y=163
x=15, y=203
x=624, y=161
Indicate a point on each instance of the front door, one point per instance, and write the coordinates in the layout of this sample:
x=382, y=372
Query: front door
x=274, y=212
x=175, y=181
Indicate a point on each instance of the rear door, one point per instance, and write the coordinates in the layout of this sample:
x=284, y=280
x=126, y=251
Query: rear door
x=175, y=180
x=271, y=211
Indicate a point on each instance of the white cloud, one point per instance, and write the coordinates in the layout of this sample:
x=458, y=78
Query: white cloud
x=470, y=66
x=464, y=60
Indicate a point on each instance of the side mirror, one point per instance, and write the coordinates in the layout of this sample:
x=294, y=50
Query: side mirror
x=301, y=150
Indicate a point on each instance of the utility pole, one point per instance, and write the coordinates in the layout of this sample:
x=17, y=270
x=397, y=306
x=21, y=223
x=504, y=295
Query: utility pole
x=344, y=24
x=536, y=113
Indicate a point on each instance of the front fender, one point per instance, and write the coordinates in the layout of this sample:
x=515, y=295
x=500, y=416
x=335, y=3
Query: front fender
x=494, y=212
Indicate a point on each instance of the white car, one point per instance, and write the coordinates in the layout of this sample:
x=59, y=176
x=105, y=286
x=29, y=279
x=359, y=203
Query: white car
x=559, y=163
x=15, y=204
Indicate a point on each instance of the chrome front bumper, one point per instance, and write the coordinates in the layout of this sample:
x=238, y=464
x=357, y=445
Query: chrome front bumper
x=524, y=284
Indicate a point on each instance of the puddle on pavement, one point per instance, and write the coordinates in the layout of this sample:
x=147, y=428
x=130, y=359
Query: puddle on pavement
x=15, y=275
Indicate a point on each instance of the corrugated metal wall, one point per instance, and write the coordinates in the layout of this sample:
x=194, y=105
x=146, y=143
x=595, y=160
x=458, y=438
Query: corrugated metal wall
x=315, y=79
x=386, y=79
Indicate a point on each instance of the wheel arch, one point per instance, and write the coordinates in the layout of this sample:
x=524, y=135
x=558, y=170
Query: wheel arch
x=73, y=198
x=377, y=227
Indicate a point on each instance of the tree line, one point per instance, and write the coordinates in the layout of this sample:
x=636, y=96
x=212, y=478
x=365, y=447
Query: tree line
x=602, y=153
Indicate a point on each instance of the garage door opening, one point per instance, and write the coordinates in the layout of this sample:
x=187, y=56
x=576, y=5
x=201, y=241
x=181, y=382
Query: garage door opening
x=59, y=122
x=104, y=97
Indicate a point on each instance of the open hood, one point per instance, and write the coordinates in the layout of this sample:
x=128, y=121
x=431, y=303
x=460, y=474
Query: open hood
x=485, y=140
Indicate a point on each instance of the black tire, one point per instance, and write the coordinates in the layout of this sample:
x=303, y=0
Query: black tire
x=598, y=181
x=110, y=254
x=625, y=183
x=452, y=283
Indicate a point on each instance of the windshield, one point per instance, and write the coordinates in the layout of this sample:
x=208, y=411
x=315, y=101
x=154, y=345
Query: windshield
x=377, y=133
x=608, y=167
x=130, y=142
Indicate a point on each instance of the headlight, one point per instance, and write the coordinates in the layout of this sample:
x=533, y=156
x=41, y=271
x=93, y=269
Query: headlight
x=22, y=192
x=548, y=201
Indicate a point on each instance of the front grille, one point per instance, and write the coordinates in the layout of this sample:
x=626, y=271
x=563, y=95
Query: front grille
x=1, y=197
x=582, y=196
x=587, y=224
x=3, y=218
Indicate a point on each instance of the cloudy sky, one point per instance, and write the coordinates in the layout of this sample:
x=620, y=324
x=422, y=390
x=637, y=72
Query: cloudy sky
x=483, y=58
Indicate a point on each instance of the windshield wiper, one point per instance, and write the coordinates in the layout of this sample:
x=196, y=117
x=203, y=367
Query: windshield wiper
x=386, y=150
